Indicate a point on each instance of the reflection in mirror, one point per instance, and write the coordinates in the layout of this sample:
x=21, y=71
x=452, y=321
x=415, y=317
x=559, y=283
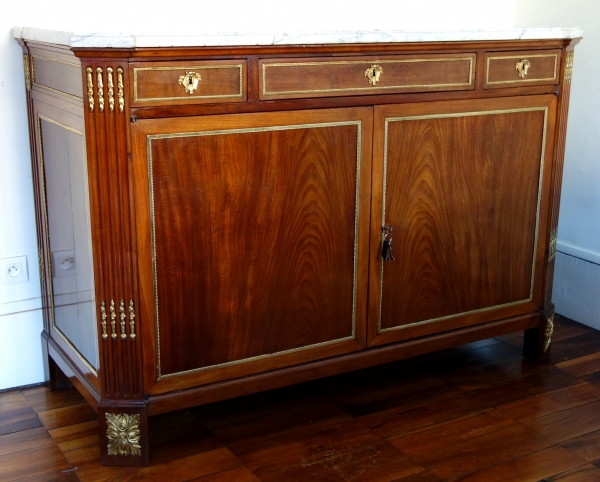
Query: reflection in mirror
x=65, y=178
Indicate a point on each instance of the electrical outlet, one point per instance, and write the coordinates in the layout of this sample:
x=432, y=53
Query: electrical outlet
x=63, y=264
x=13, y=270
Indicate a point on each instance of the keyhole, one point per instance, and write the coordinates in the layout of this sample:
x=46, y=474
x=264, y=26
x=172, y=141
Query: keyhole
x=374, y=73
x=190, y=82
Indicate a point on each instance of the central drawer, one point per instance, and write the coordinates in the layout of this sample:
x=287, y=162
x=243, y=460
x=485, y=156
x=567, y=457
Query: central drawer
x=327, y=77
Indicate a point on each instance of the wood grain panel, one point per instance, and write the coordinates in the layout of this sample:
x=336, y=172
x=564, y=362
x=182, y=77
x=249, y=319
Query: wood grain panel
x=276, y=266
x=276, y=252
x=326, y=77
x=462, y=191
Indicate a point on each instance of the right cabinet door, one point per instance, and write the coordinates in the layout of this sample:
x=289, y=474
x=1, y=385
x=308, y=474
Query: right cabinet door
x=465, y=186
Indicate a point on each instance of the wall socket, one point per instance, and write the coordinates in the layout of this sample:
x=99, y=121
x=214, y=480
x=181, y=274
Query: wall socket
x=14, y=270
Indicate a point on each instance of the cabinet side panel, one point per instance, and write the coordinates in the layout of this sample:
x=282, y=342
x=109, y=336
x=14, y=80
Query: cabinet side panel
x=557, y=174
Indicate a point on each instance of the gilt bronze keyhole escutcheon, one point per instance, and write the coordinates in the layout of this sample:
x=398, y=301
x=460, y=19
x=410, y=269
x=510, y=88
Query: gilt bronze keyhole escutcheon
x=190, y=81
x=522, y=67
x=373, y=73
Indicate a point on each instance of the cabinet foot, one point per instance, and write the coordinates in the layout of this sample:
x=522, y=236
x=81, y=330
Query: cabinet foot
x=58, y=380
x=123, y=430
x=538, y=341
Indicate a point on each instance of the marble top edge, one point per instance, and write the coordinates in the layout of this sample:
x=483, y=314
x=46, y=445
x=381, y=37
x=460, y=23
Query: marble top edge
x=128, y=40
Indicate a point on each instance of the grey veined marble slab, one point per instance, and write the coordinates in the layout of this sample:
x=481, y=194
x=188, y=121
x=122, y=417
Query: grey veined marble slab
x=131, y=40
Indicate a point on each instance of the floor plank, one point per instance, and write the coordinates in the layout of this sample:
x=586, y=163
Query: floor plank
x=16, y=414
x=575, y=347
x=34, y=438
x=581, y=366
x=585, y=446
x=480, y=452
x=48, y=400
x=33, y=462
x=585, y=473
x=241, y=474
x=530, y=468
x=422, y=413
x=75, y=436
x=61, y=417
x=565, y=328
x=445, y=434
x=569, y=423
x=379, y=462
x=550, y=402
x=542, y=379
x=89, y=469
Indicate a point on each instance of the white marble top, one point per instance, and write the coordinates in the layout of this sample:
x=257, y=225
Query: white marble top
x=130, y=40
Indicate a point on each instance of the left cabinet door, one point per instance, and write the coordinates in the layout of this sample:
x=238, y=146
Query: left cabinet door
x=252, y=241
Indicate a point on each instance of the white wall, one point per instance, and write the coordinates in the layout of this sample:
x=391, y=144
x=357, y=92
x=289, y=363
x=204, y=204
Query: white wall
x=20, y=317
x=576, y=288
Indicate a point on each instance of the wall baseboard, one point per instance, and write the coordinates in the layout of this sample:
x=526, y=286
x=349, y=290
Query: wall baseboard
x=23, y=387
x=576, y=290
x=20, y=306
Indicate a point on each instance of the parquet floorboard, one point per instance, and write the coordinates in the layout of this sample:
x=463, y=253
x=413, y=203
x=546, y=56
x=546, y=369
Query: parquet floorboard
x=475, y=413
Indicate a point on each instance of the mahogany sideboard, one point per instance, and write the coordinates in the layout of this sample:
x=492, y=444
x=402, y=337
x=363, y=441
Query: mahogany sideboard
x=218, y=220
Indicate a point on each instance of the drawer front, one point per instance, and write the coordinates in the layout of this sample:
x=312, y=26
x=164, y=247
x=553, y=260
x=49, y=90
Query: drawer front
x=162, y=83
x=508, y=69
x=318, y=77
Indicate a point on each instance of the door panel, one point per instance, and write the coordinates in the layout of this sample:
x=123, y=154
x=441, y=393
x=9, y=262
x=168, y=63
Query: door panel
x=256, y=250
x=462, y=188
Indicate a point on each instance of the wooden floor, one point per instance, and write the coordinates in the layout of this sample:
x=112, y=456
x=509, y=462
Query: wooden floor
x=475, y=413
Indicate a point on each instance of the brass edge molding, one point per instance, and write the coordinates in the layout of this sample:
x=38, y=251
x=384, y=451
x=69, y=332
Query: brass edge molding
x=111, y=89
x=113, y=320
x=568, y=67
x=410, y=86
x=548, y=333
x=150, y=138
x=520, y=80
x=553, y=243
x=537, y=216
x=90, y=88
x=122, y=318
x=50, y=59
x=100, y=90
x=39, y=119
x=131, y=320
x=26, y=72
x=123, y=434
x=104, y=318
x=184, y=68
x=41, y=264
x=120, y=90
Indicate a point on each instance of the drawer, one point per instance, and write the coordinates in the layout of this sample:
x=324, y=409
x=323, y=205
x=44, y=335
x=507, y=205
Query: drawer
x=326, y=77
x=164, y=83
x=507, y=69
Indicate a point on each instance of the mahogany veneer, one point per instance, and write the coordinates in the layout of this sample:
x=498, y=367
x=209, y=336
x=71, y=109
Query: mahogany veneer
x=228, y=237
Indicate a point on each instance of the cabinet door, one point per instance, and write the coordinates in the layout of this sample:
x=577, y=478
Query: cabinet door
x=465, y=186
x=252, y=241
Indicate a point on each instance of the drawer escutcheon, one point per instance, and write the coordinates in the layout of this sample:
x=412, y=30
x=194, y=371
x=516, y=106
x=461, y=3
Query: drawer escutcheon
x=522, y=67
x=373, y=73
x=190, y=81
